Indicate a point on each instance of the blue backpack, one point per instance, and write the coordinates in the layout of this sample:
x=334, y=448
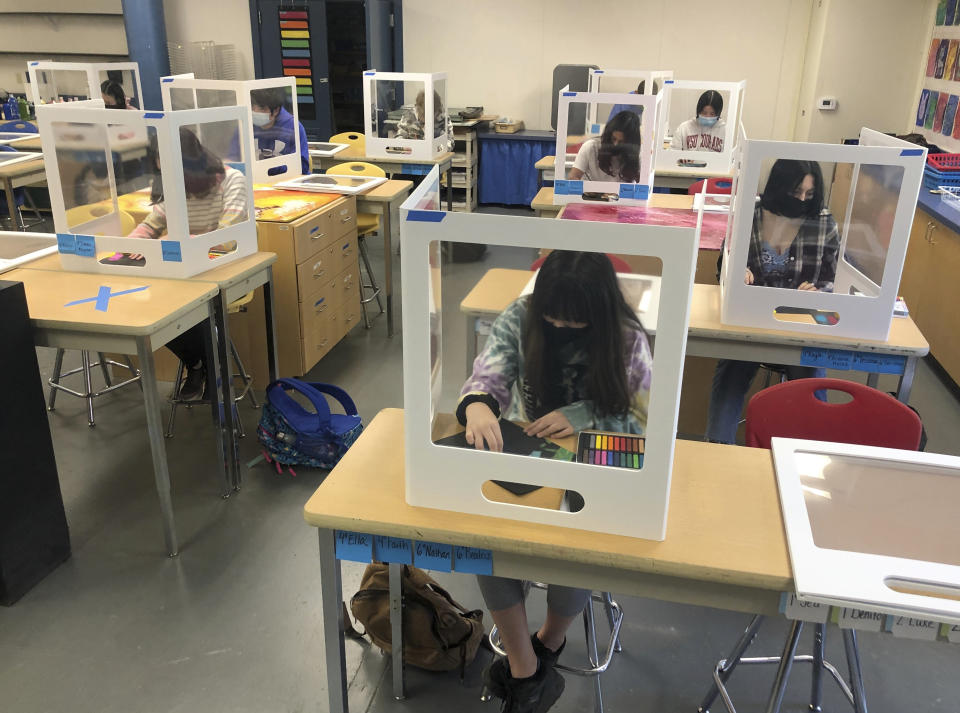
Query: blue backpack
x=291, y=435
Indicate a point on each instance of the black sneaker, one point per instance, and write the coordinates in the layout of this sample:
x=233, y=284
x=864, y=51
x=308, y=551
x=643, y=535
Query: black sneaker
x=536, y=694
x=496, y=674
x=547, y=656
x=193, y=384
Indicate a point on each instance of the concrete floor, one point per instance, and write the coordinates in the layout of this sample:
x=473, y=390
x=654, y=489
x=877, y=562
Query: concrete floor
x=232, y=624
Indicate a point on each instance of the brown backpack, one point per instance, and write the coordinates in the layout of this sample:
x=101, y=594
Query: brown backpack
x=438, y=633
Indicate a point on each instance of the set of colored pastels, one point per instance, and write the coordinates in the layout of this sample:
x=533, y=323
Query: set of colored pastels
x=615, y=449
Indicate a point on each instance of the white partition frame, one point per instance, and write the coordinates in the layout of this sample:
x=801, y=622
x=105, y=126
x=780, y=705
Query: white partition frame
x=567, y=191
x=268, y=170
x=92, y=70
x=178, y=254
x=861, y=316
x=648, y=76
x=622, y=502
x=716, y=161
x=425, y=149
x=854, y=579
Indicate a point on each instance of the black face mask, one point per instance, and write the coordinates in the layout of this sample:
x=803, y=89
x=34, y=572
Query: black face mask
x=787, y=206
x=558, y=337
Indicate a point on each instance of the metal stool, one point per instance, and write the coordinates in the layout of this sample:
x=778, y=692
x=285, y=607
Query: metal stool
x=245, y=392
x=85, y=367
x=372, y=285
x=597, y=665
x=854, y=693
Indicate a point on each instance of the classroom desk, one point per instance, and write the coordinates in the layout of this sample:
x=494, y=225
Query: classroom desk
x=31, y=144
x=133, y=323
x=21, y=174
x=708, y=337
x=394, y=164
x=725, y=544
x=673, y=178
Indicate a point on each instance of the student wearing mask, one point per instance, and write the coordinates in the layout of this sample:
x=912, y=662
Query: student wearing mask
x=614, y=156
x=707, y=131
x=113, y=95
x=273, y=129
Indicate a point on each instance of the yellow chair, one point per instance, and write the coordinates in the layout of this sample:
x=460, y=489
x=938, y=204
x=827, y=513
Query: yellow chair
x=354, y=138
x=81, y=214
x=367, y=223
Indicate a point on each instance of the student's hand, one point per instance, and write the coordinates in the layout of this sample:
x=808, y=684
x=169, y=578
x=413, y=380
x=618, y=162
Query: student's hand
x=553, y=425
x=807, y=287
x=483, y=428
x=748, y=278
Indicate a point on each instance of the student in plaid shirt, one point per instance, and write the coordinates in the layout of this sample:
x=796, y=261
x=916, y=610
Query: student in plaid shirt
x=793, y=245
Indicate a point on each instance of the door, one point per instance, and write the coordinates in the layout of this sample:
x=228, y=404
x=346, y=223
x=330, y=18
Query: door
x=293, y=42
x=380, y=28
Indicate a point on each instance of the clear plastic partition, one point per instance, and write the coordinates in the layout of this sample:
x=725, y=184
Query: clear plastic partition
x=398, y=108
x=612, y=152
x=439, y=108
x=54, y=85
x=274, y=130
x=182, y=98
x=215, y=97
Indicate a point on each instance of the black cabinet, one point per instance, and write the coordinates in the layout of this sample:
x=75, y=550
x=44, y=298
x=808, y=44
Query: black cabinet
x=34, y=538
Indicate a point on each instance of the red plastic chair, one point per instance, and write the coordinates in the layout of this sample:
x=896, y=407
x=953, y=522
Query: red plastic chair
x=619, y=264
x=720, y=186
x=872, y=418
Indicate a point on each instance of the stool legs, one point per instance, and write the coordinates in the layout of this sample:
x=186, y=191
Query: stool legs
x=590, y=631
x=88, y=383
x=86, y=368
x=55, y=379
x=362, y=244
x=816, y=677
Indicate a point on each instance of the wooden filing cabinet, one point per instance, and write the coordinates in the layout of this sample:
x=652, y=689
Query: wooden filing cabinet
x=317, y=282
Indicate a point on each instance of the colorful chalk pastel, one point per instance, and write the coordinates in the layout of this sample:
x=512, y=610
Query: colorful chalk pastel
x=610, y=449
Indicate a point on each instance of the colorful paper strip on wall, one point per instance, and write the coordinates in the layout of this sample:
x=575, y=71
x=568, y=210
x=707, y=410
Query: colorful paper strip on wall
x=296, y=58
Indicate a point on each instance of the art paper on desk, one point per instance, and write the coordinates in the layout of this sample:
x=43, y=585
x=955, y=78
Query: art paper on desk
x=712, y=231
x=286, y=206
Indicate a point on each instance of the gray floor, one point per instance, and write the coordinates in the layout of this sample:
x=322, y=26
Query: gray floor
x=232, y=624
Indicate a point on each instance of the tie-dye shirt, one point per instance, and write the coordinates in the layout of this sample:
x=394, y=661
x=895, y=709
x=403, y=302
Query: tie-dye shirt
x=498, y=372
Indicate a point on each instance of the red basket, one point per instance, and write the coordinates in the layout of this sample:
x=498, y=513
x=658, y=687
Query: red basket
x=944, y=161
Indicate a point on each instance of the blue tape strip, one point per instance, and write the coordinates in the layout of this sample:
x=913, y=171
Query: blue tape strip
x=668, y=81
x=67, y=243
x=426, y=216
x=911, y=152
x=319, y=302
x=103, y=299
x=153, y=115
x=166, y=80
x=643, y=192
x=828, y=358
x=598, y=71
x=472, y=560
x=879, y=363
x=636, y=191
x=368, y=74
x=594, y=128
x=569, y=94
x=170, y=250
x=86, y=246
x=574, y=188
x=353, y=546
x=560, y=186
x=34, y=64
x=393, y=549
x=433, y=555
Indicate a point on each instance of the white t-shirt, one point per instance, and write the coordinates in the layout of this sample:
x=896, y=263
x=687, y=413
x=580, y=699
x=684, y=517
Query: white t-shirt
x=587, y=162
x=690, y=136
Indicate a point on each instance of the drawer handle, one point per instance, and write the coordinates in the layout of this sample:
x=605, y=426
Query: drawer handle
x=322, y=344
x=319, y=274
x=930, y=233
x=349, y=319
x=347, y=219
x=318, y=236
x=321, y=308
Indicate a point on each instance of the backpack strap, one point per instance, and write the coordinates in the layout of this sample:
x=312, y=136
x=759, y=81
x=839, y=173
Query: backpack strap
x=302, y=420
x=340, y=395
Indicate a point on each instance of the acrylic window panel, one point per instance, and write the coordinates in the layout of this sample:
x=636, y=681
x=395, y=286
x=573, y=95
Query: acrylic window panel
x=129, y=82
x=623, y=81
x=610, y=162
x=628, y=499
x=329, y=183
x=17, y=248
x=9, y=158
x=872, y=528
x=684, y=143
x=11, y=138
x=406, y=114
x=52, y=81
x=174, y=180
x=325, y=149
x=819, y=234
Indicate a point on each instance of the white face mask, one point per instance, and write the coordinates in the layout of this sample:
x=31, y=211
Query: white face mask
x=260, y=118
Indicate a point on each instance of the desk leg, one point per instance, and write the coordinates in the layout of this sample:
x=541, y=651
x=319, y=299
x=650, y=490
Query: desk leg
x=725, y=669
x=396, y=629
x=151, y=401
x=230, y=445
x=471, y=342
x=856, y=675
x=816, y=676
x=271, y=324
x=217, y=397
x=331, y=606
x=11, y=202
x=906, y=380
x=449, y=175
x=386, y=229
x=783, y=670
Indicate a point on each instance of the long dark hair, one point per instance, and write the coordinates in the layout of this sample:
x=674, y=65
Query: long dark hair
x=114, y=90
x=786, y=175
x=711, y=97
x=581, y=287
x=628, y=151
x=201, y=167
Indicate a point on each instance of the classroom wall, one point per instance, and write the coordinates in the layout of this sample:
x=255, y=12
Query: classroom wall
x=867, y=54
x=501, y=53
x=223, y=22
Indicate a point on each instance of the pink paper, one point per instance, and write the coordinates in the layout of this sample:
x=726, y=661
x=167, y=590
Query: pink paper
x=711, y=233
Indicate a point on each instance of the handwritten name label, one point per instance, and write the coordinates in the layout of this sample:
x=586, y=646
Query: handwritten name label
x=793, y=608
x=393, y=549
x=861, y=619
x=433, y=555
x=951, y=632
x=354, y=546
x=906, y=627
x=473, y=560
x=829, y=358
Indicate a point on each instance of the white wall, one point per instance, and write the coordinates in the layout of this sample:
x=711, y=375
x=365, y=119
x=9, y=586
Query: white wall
x=866, y=53
x=501, y=54
x=223, y=22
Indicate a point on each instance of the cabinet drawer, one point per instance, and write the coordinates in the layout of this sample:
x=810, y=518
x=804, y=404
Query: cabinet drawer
x=315, y=345
x=345, y=251
x=318, y=271
x=321, y=228
x=320, y=306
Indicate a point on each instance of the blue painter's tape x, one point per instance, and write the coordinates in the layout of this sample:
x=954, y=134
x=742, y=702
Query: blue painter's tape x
x=426, y=216
x=103, y=297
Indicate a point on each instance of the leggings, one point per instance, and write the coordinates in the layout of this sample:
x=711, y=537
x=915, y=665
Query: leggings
x=502, y=593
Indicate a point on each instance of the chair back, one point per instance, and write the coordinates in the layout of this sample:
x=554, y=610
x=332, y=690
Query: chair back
x=356, y=168
x=357, y=140
x=17, y=126
x=83, y=213
x=716, y=186
x=791, y=410
x=619, y=264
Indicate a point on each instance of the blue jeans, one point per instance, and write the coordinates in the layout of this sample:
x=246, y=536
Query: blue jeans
x=731, y=382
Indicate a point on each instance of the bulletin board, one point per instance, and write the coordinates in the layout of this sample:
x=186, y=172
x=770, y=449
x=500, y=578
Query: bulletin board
x=937, y=117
